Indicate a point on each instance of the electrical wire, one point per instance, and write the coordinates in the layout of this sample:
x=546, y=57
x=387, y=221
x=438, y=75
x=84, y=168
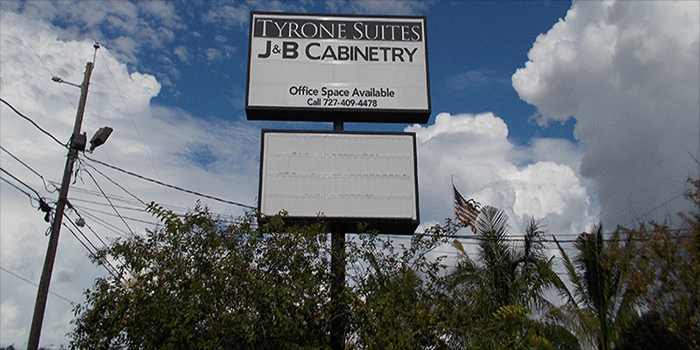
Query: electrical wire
x=70, y=205
x=655, y=208
x=101, y=240
x=36, y=285
x=34, y=171
x=109, y=200
x=116, y=215
x=171, y=186
x=220, y=217
x=21, y=190
x=121, y=176
x=141, y=209
x=20, y=181
x=115, y=198
x=111, y=270
x=86, y=24
x=128, y=112
x=120, y=232
x=29, y=43
x=116, y=184
x=65, y=145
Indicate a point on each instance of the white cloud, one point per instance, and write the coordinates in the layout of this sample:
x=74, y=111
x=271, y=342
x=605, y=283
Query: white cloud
x=213, y=54
x=470, y=81
x=227, y=16
x=153, y=141
x=183, y=54
x=629, y=80
x=628, y=72
x=163, y=10
x=125, y=27
x=389, y=7
x=537, y=181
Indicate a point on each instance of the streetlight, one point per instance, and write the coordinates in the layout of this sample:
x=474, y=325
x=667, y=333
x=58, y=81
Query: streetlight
x=100, y=137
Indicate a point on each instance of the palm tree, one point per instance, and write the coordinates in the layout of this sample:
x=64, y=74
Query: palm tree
x=504, y=274
x=499, y=288
x=601, y=303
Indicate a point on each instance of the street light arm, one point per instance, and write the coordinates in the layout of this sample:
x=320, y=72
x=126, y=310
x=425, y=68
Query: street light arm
x=59, y=80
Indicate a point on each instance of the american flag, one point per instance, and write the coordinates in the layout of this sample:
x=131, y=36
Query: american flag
x=466, y=211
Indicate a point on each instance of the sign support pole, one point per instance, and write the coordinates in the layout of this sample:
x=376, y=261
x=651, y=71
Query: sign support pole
x=338, y=317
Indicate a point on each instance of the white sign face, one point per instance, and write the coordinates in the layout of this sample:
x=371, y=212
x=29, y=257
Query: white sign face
x=364, y=67
x=339, y=175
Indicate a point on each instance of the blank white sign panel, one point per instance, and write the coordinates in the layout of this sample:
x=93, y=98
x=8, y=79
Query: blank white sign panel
x=339, y=175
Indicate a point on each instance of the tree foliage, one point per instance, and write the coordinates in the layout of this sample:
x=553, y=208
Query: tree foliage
x=650, y=332
x=506, y=274
x=499, y=286
x=399, y=292
x=197, y=283
x=602, y=302
x=206, y=283
x=666, y=263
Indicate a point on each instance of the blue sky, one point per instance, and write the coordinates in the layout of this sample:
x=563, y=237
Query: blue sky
x=486, y=52
x=566, y=112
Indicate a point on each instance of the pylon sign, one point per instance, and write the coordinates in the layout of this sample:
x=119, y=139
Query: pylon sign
x=324, y=67
x=341, y=177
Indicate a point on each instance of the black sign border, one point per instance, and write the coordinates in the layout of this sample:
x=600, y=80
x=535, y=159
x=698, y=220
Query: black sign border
x=320, y=114
x=349, y=224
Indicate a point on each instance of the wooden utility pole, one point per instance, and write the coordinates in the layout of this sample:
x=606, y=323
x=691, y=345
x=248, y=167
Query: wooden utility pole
x=77, y=143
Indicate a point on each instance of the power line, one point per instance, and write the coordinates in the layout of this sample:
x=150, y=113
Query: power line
x=19, y=189
x=657, y=207
x=84, y=223
x=120, y=216
x=171, y=186
x=103, y=204
x=110, y=201
x=36, y=285
x=33, y=123
x=42, y=205
x=113, y=271
x=103, y=243
x=116, y=184
x=475, y=239
x=22, y=182
x=86, y=24
x=38, y=56
x=148, y=154
x=114, y=197
x=29, y=43
x=107, y=225
x=32, y=170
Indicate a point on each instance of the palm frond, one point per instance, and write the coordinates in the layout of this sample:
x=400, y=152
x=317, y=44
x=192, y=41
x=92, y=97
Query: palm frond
x=571, y=273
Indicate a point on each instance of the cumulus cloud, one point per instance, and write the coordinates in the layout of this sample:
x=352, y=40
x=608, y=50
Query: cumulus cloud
x=627, y=71
x=536, y=181
x=158, y=142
